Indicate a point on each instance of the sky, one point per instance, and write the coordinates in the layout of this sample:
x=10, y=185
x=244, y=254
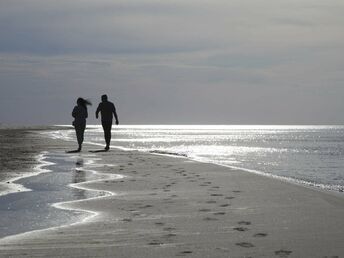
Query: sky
x=173, y=61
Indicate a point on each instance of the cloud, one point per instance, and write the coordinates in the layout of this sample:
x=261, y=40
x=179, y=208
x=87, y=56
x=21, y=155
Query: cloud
x=173, y=61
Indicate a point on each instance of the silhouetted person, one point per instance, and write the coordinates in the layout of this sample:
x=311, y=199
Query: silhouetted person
x=80, y=114
x=108, y=111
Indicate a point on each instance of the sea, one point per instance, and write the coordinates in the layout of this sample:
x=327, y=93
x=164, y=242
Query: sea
x=308, y=155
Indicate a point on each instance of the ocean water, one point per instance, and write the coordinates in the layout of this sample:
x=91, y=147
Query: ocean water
x=311, y=155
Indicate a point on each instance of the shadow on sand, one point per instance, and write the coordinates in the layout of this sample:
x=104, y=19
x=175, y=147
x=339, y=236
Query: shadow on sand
x=73, y=151
x=95, y=151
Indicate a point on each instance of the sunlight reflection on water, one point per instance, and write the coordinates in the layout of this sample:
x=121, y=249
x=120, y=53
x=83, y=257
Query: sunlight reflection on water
x=310, y=153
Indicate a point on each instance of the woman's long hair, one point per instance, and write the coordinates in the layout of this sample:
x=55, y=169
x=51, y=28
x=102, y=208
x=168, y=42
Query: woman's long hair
x=84, y=102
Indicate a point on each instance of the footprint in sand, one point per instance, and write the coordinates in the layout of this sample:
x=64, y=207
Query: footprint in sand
x=204, y=210
x=245, y=244
x=260, y=235
x=169, y=228
x=146, y=206
x=184, y=253
x=220, y=213
x=244, y=223
x=216, y=195
x=170, y=235
x=283, y=253
x=241, y=229
x=210, y=219
x=155, y=242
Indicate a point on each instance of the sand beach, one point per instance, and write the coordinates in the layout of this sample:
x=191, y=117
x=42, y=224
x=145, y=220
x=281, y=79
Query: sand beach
x=166, y=206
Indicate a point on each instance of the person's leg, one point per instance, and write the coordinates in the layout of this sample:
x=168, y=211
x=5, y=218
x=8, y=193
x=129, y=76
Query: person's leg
x=104, y=129
x=107, y=133
x=78, y=132
x=80, y=129
x=82, y=132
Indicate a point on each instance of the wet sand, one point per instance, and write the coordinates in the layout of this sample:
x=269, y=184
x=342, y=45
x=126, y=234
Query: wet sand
x=19, y=150
x=173, y=207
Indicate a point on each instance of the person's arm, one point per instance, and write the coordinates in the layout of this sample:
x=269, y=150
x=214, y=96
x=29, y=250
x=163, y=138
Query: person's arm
x=115, y=114
x=98, y=110
x=74, y=112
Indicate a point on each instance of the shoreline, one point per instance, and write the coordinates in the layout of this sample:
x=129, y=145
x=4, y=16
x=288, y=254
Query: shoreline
x=9, y=184
x=167, y=207
x=68, y=205
x=293, y=181
x=19, y=186
x=335, y=188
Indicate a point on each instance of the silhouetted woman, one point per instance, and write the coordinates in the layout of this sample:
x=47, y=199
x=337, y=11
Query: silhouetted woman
x=80, y=114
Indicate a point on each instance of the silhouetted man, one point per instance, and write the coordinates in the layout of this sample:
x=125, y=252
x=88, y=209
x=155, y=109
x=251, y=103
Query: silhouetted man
x=107, y=110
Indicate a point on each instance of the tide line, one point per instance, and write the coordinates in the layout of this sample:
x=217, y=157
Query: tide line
x=68, y=205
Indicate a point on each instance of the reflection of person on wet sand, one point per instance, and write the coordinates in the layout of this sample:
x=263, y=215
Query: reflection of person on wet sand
x=79, y=176
x=108, y=111
x=80, y=114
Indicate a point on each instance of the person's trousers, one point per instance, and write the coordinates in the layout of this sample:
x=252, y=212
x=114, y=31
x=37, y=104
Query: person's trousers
x=107, y=125
x=79, y=130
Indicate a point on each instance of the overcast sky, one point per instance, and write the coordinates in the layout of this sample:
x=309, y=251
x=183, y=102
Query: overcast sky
x=173, y=61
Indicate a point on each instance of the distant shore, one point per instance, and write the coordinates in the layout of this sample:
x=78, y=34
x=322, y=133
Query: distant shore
x=171, y=207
